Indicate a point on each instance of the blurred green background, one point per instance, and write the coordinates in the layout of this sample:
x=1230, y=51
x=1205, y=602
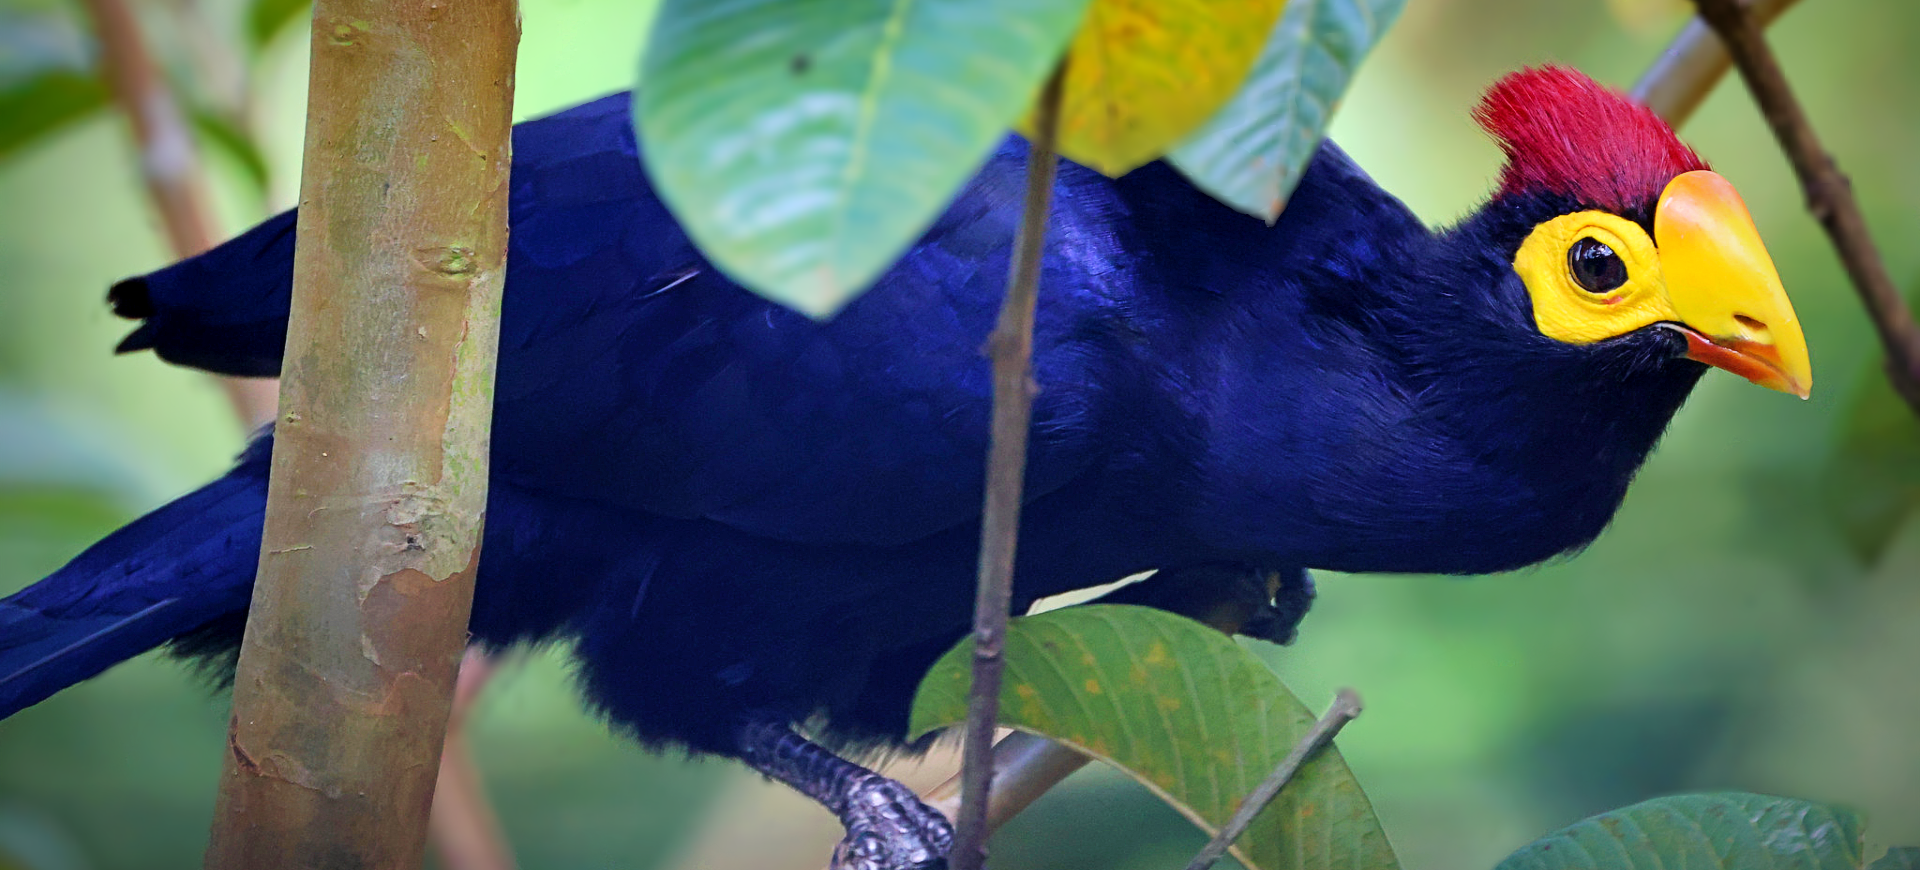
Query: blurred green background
x=1750, y=621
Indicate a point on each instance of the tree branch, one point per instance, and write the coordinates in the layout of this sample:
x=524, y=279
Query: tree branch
x=1829, y=193
x=466, y=830
x=1011, y=348
x=378, y=492
x=1693, y=63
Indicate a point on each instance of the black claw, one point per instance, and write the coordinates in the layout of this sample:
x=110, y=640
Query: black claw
x=888, y=827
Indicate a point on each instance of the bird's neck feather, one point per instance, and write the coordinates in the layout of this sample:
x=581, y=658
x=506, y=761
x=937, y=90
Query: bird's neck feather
x=1431, y=429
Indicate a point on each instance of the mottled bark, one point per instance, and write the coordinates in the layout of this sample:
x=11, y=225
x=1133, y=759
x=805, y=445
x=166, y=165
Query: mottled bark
x=380, y=463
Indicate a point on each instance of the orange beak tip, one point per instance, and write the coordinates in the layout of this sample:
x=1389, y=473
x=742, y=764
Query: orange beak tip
x=1755, y=361
x=1724, y=288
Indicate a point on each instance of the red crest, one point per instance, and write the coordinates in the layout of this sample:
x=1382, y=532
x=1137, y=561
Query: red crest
x=1568, y=134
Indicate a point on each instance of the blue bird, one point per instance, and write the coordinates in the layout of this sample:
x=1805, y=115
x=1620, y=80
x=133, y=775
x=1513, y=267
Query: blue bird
x=742, y=519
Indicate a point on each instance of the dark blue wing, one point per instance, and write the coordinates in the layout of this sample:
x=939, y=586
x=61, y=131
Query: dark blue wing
x=632, y=370
x=634, y=374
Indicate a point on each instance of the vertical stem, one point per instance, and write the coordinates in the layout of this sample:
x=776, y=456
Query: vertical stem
x=378, y=490
x=1011, y=349
x=1829, y=193
x=169, y=164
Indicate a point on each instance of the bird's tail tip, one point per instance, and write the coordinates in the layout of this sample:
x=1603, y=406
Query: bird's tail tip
x=181, y=569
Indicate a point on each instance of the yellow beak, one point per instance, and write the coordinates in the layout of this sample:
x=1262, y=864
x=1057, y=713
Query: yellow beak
x=1724, y=289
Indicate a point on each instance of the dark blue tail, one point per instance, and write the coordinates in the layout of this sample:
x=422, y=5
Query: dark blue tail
x=224, y=311
x=166, y=574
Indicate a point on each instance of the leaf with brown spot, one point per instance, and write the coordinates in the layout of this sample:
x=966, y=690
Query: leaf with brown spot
x=1229, y=723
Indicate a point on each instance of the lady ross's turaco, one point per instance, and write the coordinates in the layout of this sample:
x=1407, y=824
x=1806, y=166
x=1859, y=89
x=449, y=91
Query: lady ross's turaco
x=741, y=518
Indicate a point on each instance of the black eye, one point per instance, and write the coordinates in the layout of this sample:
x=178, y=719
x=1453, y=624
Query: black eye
x=1595, y=266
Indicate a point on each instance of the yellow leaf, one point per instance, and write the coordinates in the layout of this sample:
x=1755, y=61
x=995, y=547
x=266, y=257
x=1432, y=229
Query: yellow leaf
x=1142, y=74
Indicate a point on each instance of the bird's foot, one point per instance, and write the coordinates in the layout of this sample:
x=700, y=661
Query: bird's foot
x=888, y=828
x=1267, y=604
x=1287, y=594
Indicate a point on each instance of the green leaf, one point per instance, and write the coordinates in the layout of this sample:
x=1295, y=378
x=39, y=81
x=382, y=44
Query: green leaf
x=1730, y=830
x=35, y=41
x=1871, y=482
x=266, y=18
x=1143, y=75
x=47, y=80
x=804, y=143
x=33, y=109
x=1250, y=153
x=229, y=137
x=1183, y=709
x=1898, y=858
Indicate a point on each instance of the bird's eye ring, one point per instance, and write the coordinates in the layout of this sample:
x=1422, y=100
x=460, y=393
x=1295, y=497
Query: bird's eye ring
x=1595, y=266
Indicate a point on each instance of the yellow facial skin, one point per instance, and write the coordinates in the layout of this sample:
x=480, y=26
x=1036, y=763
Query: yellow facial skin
x=1708, y=278
x=1565, y=311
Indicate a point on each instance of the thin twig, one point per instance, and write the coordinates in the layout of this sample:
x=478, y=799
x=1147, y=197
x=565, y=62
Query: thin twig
x=1346, y=706
x=1829, y=193
x=1011, y=349
x=1693, y=63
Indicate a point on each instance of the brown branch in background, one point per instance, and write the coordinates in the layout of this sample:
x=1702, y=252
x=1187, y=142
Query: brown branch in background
x=1693, y=63
x=1025, y=767
x=377, y=497
x=168, y=161
x=221, y=74
x=1011, y=349
x=1346, y=707
x=463, y=828
x=1829, y=193
x=169, y=164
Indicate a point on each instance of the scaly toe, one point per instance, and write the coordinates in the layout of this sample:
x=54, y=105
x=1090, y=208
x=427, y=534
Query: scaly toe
x=889, y=828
